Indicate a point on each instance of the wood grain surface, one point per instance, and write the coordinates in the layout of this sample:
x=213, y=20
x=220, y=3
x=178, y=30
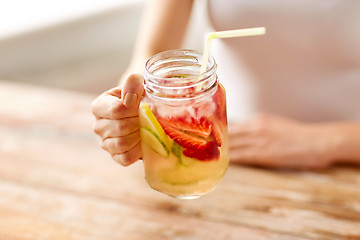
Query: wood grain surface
x=57, y=183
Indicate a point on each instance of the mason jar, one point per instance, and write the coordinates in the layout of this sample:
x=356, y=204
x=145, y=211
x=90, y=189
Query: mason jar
x=183, y=125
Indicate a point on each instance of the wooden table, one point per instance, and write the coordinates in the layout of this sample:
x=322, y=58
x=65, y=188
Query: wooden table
x=57, y=183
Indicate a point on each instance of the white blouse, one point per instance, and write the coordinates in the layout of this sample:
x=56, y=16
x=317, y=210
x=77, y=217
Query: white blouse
x=306, y=67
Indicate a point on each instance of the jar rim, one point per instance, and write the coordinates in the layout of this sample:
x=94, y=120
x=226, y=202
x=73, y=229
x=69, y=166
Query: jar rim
x=175, y=74
x=210, y=70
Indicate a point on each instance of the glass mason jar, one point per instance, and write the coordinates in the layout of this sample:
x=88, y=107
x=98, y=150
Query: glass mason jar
x=183, y=125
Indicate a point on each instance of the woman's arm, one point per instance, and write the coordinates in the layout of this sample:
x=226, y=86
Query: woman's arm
x=346, y=138
x=278, y=142
x=116, y=111
x=163, y=27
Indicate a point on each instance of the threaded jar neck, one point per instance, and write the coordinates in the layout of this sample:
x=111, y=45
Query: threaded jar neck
x=175, y=74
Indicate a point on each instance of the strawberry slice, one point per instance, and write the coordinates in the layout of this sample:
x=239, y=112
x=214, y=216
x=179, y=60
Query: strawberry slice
x=211, y=152
x=199, y=127
x=220, y=100
x=198, y=137
x=183, y=139
x=216, y=133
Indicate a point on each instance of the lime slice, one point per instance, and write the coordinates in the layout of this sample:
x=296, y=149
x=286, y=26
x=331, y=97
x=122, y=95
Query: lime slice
x=154, y=141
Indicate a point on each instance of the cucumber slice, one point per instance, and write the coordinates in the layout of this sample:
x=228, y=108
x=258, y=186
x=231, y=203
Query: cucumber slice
x=176, y=150
x=154, y=141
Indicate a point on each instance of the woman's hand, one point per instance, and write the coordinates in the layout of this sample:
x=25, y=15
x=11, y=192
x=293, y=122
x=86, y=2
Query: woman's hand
x=276, y=142
x=117, y=120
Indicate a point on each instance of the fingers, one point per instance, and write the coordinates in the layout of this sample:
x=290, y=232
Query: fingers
x=117, y=121
x=259, y=124
x=124, y=150
x=110, y=106
x=128, y=157
x=246, y=159
x=239, y=141
x=118, y=145
x=275, y=142
x=132, y=90
x=244, y=137
x=107, y=128
x=118, y=103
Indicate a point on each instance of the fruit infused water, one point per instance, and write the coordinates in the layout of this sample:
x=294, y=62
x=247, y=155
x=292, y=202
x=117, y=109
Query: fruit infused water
x=183, y=125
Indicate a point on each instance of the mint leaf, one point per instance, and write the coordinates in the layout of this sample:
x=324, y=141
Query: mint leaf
x=176, y=150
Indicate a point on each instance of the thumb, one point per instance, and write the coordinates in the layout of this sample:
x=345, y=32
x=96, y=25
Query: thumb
x=132, y=90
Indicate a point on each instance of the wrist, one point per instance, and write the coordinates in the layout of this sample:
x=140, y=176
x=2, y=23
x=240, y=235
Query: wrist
x=344, y=142
x=137, y=69
x=333, y=138
x=324, y=143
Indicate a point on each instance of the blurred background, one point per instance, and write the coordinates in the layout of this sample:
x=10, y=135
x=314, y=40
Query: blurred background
x=80, y=45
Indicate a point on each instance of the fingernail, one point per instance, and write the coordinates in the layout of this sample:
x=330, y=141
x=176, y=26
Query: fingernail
x=130, y=99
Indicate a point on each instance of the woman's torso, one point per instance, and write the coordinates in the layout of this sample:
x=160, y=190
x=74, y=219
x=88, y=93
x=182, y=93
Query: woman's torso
x=307, y=66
